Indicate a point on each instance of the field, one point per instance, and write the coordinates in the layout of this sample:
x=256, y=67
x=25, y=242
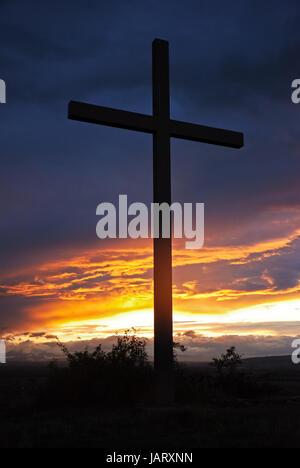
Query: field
x=269, y=417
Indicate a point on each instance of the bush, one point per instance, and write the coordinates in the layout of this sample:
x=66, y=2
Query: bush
x=228, y=362
x=119, y=377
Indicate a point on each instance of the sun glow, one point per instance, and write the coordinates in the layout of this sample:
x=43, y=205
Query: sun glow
x=101, y=292
x=264, y=319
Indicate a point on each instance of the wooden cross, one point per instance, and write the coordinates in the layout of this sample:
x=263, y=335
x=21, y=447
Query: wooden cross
x=162, y=128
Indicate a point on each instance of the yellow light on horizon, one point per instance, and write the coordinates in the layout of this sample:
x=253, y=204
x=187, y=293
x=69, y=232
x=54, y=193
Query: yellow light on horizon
x=142, y=321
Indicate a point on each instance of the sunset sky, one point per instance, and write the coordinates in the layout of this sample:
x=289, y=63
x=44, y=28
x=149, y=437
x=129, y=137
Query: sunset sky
x=231, y=66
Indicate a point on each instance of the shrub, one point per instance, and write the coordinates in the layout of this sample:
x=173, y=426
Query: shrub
x=228, y=362
x=118, y=377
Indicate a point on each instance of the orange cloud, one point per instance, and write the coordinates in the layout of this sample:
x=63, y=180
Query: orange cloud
x=103, y=283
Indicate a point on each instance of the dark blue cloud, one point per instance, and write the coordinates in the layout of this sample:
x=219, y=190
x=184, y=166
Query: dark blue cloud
x=231, y=66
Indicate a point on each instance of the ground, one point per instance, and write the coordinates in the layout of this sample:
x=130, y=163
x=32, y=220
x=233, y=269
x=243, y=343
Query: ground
x=271, y=420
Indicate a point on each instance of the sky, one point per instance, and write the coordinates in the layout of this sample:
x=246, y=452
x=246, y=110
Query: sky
x=231, y=66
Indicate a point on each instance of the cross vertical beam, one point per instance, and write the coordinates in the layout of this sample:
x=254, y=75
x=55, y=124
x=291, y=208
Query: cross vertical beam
x=163, y=323
x=162, y=128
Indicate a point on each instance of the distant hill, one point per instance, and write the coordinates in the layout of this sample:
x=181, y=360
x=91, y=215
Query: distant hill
x=266, y=363
x=271, y=363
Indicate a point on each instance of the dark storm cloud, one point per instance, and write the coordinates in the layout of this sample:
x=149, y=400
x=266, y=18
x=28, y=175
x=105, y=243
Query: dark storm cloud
x=235, y=52
x=231, y=65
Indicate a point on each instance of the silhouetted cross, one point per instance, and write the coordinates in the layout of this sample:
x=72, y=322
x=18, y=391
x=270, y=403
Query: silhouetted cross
x=162, y=128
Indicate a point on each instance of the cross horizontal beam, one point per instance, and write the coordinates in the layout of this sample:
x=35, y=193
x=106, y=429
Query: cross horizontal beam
x=204, y=134
x=111, y=117
x=146, y=123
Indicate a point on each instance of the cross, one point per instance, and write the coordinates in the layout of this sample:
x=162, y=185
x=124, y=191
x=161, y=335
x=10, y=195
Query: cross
x=162, y=128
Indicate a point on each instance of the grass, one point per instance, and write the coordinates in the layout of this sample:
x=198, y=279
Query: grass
x=239, y=426
x=216, y=419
